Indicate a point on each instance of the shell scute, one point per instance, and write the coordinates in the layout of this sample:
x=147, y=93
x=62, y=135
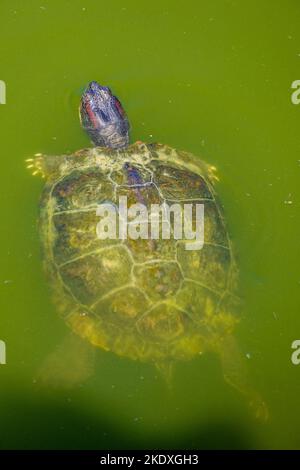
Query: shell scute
x=178, y=183
x=160, y=280
x=92, y=276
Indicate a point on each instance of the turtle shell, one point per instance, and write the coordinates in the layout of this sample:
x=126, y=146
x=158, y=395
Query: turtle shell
x=147, y=299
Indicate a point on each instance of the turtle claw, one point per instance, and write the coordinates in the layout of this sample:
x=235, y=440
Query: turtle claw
x=36, y=165
x=213, y=173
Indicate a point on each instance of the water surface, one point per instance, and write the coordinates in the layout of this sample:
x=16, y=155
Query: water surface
x=213, y=78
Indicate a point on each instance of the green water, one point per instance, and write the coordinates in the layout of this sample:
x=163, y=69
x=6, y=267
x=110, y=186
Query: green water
x=212, y=77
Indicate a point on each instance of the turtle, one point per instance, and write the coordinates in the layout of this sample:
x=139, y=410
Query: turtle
x=156, y=300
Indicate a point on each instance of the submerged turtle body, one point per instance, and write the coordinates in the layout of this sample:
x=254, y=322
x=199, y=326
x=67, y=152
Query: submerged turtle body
x=147, y=297
x=150, y=300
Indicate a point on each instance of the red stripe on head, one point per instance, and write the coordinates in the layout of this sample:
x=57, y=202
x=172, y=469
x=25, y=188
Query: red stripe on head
x=91, y=114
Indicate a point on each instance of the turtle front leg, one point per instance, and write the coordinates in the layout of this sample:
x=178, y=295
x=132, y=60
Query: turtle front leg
x=35, y=165
x=236, y=374
x=44, y=165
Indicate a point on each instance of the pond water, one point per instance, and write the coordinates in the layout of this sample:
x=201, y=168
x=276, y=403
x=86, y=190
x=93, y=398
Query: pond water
x=213, y=78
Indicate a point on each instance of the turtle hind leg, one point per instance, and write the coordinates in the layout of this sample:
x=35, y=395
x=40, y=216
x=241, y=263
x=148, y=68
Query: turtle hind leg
x=235, y=373
x=70, y=364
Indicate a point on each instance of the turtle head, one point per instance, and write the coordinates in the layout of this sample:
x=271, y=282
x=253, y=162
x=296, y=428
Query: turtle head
x=103, y=117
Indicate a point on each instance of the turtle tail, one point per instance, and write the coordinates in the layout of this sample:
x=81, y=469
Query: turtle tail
x=166, y=370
